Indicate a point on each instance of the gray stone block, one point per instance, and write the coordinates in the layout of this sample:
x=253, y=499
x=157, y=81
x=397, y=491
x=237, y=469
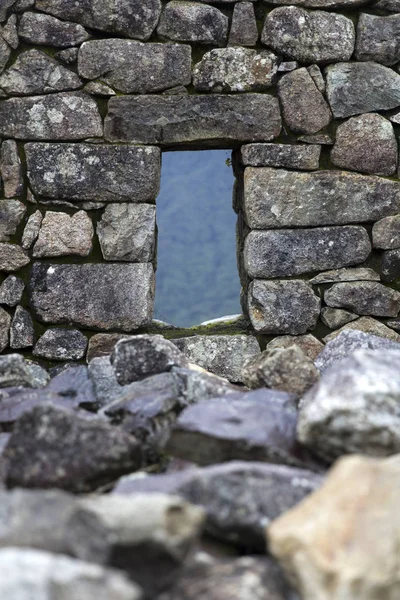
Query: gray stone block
x=289, y=156
x=193, y=22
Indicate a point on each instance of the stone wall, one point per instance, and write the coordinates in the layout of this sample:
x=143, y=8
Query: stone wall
x=91, y=93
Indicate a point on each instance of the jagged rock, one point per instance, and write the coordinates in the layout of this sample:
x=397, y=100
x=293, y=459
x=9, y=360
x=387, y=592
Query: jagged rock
x=9, y=32
x=390, y=265
x=22, y=333
x=235, y=70
x=41, y=377
x=285, y=369
x=69, y=56
x=133, y=67
x=289, y=156
x=376, y=39
x=96, y=88
x=309, y=344
x=75, y=385
x=199, y=384
x=65, y=116
x=286, y=307
x=271, y=198
x=11, y=168
x=5, y=321
x=239, y=498
x=192, y=22
x=355, y=274
x=223, y=355
x=354, y=88
x=102, y=344
x=243, y=31
x=304, y=108
x=11, y=290
x=199, y=120
x=12, y=258
x=5, y=53
x=309, y=36
x=14, y=371
x=140, y=356
x=366, y=143
x=92, y=453
x=39, y=29
x=61, y=344
x=127, y=232
x=315, y=72
x=5, y=5
x=106, y=387
x=62, y=234
x=367, y=325
x=364, y=298
x=11, y=214
x=94, y=172
x=31, y=230
x=287, y=252
x=133, y=18
x=336, y=317
x=332, y=544
x=386, y=233
x=130, y=288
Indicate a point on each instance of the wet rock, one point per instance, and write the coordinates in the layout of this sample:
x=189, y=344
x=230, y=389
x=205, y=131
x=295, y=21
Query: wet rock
x=92, y=453
x=271, y=198
x=367, y=325
x=62, y=234
x=390, y=265
x=364, y=298
x=14, y=371
x=223, y=355
x=355, y=274
x=200, y=120
x=65, y=116
x=127, y=232
x=386, y=233
x=11, y=290
x=199, y=384
x=367, y=144
x=286, y=307
x=11, y=168
x=39, y=29
x=281, y=155
x=94, y=172
x=235, y=70
x=243, y=31
x=102, y=344
x=22, y=332
x=116, y=296
x=354, y=88
x=5, y=321
x=309, y=344
x=61, y=344
x=309, y=36
x=31, y=230
x=12, y=258
x=336, y=317
x=289, y=252
x=193, y=22
x=133, y=67
x=11, y=214
x=304, y=108
x=376, y=39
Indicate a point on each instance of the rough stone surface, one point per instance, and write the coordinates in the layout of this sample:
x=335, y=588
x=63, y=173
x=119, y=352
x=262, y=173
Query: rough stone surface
x=364, y=298
x=11, y=214
x=324, y=4
x=200, y=120
x=96, y=88
x=309, y=344
x=376, y=39
x=315, y=72
x=193, y=22
x=243, y=31
x=354, y=88
x=5, y=321
x=11, y=290
x=22, y=333
x=285, y=307
x=116, y=296
x=31, y=230
x=40, y=29
x=386, y=233
x=271, y=198
x=366, y=143
x=133, y=67
x=11, y=169
x=367, y=325
x=199, y=384
x=309, y=36
x=12, y=258
x=14, y=371
x=304, y=108
x=288, y=156
x=102, y=344
x=61, y=344
x=390, y=265
x=65, y=116
x=68, y=56
x=62, y=235
x=94, y=172
x=336, y=317
x=269, y=254
x=127, y=232
x=355, y=274
x=223, y=355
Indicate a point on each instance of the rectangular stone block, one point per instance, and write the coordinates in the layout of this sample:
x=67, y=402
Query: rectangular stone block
x=94, y=172
x=95, y=296
x=289, y=156
x=275, y=198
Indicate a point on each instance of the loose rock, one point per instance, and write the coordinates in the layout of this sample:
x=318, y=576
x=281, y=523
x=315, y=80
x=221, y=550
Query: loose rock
x=11, y=290
x=336, y=317
x=309, y=344
x=367, y=325
x=193, y=22
x=14, y=371
x=61, y=344
x=39, y=29
x=364, y=298
x=22, y=332
x=11, y=168
x=62, y=235
x=102, y=344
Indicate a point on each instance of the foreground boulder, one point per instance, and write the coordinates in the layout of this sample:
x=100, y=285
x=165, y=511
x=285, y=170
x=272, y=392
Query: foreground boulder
x=14, y=371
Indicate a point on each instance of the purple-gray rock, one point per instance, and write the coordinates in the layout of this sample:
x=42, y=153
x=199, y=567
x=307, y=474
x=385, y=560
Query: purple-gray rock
x=22, y=332
x=12, y=258
x=61, y=344
x=386, y=233
x=243, y=31
x=39, y=29
x=193, y=22
x=14, y=371
x=11, y=290
x=364, y=298
x=376, y=39
x=334, y=318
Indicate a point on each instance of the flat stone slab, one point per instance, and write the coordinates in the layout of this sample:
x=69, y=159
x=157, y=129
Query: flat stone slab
x=289, y=156
x=275, y=198
x=93, y=172
x=354, y=274
x=96, y=296
x=209, y=120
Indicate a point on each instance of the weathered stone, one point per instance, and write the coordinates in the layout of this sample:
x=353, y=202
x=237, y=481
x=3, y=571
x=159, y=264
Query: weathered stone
x=389, y=5
x=5, y=5
x=9, y=32
x=355, y=274
x=336, y=317
x=35, y=72
x=235, y=70
x=243, y=31
x=192, y=22
x=140, y=356
x=106, y=387
x=283, y=253
x=304, y=108
x=22, y=333
x=11, y=214
x=94, y=172
x=11, y=290
x=62, y=235
x=309, y=36
x=271, y=198
x=14, y=371
x=223, y=355
x=39, y=29
x=199, y=384
x=5, y=53
x=366, y=143
x=287, y=66
x=324, y=3
x=22, y=5
x=74, y=384
x=367, y=325
x=288, y=156
x=102, y=344
x=354, y=88
x=5, y=321
x=40, y=375
x=127, y=232
x=285, y=369
x=390, y=265
x=317, y=138
x=309, y=344
x=364, y=298
x=289, y=307
x=61, y=344
x=386, y=233
x=31, y=230
x=133, y=18
x=115, y=296
x=200, y=120
x=376, y=39
x=65, y=116
x=69, y=56
x=11, y=169
x=315, y=73
x=12, y=258
x=96, y=88
x=133, y=67
x=394, y=324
